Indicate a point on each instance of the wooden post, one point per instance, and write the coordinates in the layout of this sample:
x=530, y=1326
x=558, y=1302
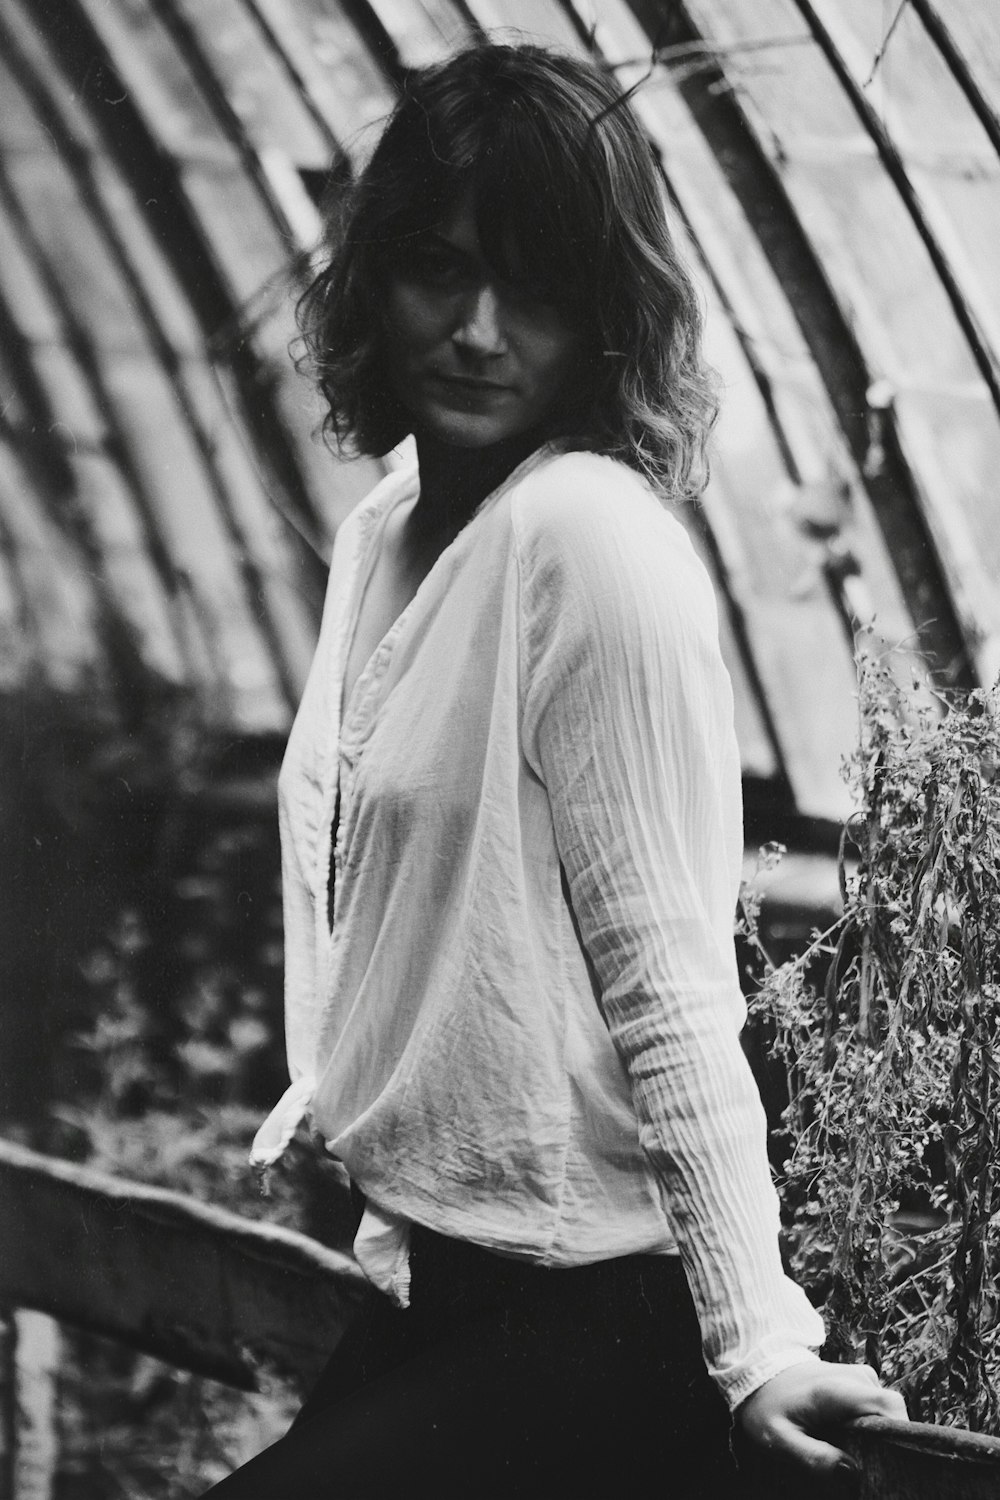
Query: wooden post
x=8, y=1402
x=36, y=1455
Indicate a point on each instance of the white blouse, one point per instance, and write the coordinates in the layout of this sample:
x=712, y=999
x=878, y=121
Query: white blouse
x=523, y=1030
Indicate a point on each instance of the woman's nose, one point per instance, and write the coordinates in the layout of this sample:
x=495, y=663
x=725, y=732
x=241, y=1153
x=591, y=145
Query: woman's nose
x=480, y=330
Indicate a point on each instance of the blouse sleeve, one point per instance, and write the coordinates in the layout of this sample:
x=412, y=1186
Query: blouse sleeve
x=627, y=720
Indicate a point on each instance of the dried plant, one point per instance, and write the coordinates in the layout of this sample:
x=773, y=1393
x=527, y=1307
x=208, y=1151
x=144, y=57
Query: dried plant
x=891, y=1189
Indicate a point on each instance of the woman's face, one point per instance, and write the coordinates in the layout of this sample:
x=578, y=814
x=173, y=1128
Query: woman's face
x=474, y=359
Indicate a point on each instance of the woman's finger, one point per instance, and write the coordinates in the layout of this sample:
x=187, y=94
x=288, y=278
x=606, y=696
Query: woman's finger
x=790, y=1441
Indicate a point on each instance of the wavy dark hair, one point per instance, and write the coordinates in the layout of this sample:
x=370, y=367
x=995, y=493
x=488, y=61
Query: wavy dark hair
x=569, y=201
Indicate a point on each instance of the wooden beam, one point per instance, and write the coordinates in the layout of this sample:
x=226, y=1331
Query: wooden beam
x=761, y=192
x=161, y=318
x=828, y=35
x=187, y=1282
x=918, y=1461
x=190, y=206
x=423, y=32
x=968, y=54
x=334, y=65
x=926, y=395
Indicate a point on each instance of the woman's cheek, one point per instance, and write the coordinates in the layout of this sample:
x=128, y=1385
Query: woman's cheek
x=415, y=322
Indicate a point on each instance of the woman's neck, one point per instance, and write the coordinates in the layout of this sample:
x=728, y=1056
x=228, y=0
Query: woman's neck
x=454, y=481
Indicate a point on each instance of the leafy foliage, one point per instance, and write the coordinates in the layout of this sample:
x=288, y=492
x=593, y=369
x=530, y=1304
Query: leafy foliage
x=132, y=1426
x=176, y=998
x=891, y=1189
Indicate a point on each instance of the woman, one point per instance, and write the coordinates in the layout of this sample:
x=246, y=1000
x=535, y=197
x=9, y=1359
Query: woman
x=512, y=1003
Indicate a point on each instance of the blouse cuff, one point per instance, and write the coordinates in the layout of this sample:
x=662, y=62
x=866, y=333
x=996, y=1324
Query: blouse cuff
x=739, y=1383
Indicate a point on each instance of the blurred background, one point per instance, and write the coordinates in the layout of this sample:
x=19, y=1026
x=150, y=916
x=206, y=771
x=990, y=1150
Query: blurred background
x=166, y=510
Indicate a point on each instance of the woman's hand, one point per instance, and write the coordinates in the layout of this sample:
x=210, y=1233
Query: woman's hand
x=783, y=1414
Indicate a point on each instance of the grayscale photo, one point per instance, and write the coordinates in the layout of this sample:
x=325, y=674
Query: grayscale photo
x=499, y=749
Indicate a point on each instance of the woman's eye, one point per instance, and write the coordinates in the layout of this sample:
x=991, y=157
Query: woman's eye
x=531, y=294
x=435, y=268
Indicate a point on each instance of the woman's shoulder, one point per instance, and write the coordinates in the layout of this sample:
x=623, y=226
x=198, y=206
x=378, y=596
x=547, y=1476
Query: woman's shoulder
x=591, y=509
x=565, y=481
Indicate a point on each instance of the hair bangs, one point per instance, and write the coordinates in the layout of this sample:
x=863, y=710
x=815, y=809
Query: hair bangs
x=530, y=212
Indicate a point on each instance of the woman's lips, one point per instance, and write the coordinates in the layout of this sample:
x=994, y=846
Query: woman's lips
x=469, y=382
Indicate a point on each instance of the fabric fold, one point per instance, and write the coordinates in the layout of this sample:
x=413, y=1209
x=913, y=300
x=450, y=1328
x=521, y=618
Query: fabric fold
x=382, y=1250
x=273, y=1136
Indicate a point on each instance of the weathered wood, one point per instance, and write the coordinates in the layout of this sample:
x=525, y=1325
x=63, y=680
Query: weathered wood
x=190, y=1283
x=149, y=285
x=752, y=168
x=968, y=36
x=759, y=309
x=771, y=570
x=147, y=143
x=220, y=92
x=8, y=1398
x=343, y=79
x=424, y=32
x=544, y=21
x=248, y=88
x=940, y=160
x=242, y=196
x=192, y=186
x=918, y=1461
x=140, y=404
x=878, y=267
x=36, y=1456
x=123, y=545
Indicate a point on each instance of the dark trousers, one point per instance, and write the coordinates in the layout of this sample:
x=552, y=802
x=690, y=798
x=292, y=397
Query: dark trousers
x=504, y=1379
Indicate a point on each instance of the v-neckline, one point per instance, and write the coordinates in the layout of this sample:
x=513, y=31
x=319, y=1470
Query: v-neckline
x=368, y=554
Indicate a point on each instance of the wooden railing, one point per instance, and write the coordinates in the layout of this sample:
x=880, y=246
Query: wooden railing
x=194, y=1285
x=211, y=1292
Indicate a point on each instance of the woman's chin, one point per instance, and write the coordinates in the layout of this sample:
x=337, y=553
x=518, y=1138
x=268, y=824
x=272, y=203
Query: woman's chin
x=471, y=430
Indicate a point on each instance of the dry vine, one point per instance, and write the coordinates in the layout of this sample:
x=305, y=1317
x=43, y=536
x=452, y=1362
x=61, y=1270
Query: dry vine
x=892, y=1187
